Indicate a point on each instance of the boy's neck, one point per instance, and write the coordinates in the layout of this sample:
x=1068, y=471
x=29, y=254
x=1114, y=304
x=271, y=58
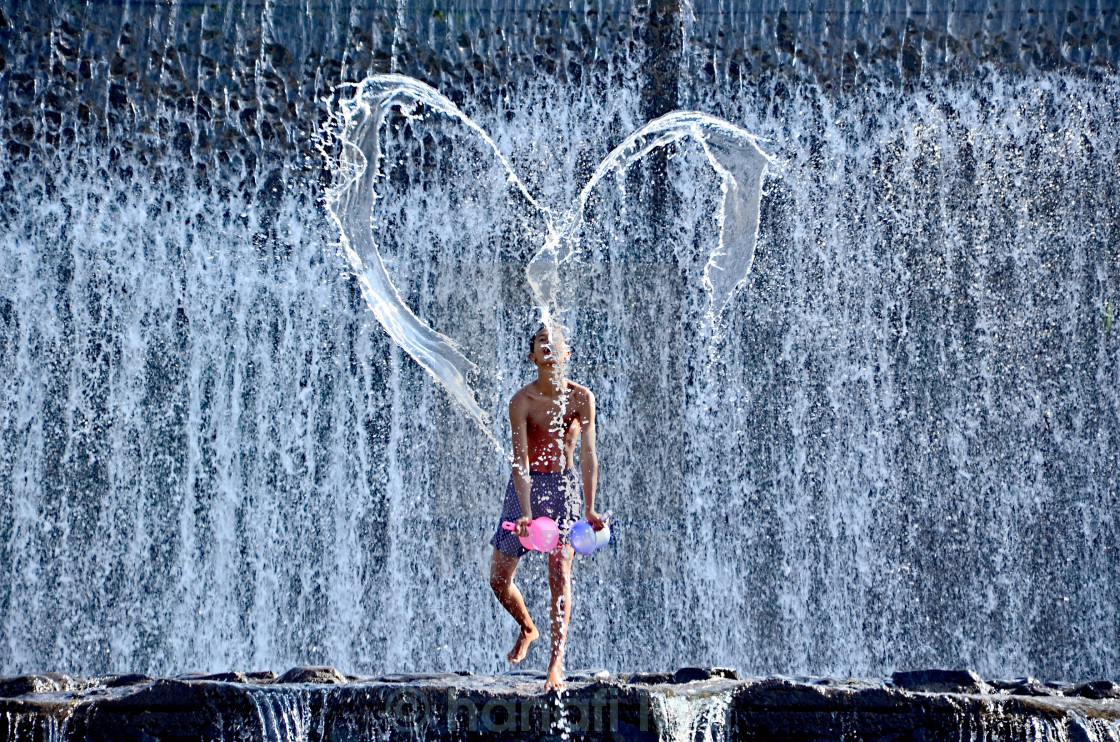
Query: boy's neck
x=550, y=383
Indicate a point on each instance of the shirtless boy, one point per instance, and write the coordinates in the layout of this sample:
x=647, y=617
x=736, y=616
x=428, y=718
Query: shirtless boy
x=546, y=417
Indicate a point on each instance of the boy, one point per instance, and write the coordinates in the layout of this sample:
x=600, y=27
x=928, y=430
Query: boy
x=546, y=417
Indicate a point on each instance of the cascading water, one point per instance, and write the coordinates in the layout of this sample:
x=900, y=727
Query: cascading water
x=690, y=720
x=896, y=445
x=33, y=726
x=284, y=716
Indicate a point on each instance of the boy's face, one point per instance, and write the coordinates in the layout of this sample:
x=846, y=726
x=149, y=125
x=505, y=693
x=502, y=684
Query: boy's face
x=545, y=351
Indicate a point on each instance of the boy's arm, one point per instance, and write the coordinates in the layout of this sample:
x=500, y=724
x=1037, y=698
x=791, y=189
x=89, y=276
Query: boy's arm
x=589, y=461
x=518, y=422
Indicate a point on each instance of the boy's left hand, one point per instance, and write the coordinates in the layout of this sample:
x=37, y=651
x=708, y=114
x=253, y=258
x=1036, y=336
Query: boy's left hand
x=596, y=520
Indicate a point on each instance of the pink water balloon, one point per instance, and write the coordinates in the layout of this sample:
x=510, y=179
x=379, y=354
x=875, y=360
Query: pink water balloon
x=544, y=534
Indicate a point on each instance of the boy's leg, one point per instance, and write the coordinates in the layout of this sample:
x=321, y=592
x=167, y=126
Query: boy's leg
x=560, y=583
x=502, y=569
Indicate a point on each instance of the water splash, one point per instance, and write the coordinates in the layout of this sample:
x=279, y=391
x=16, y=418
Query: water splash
x=360, y=165
x=357, y=125
x=735, y=156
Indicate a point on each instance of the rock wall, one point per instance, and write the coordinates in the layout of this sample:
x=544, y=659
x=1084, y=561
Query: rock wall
x=319, y=704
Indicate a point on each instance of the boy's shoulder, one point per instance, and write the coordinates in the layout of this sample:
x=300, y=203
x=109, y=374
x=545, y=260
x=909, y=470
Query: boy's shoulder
x=522, y=395
x=580, y=392
x=525, y=391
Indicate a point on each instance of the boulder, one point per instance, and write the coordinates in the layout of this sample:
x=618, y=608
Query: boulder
x=29, y=684
x=940, y=681
x=123, y=681
x=316, y=674
x=1097, y=689
x=1033, y=688
x=649, y=678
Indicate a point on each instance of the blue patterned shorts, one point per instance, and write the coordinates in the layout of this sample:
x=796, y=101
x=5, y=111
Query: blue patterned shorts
x=553, y=494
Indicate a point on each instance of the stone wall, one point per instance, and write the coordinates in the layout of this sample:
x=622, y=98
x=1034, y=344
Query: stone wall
x=321, y=704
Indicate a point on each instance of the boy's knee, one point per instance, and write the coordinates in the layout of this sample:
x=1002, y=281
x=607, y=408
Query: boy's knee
x=499, y=583
x=559, y=579
x=560, y=567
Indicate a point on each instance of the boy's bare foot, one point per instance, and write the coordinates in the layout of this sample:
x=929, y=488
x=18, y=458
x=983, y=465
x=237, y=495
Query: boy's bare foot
x=524, y=639
x=555, y=679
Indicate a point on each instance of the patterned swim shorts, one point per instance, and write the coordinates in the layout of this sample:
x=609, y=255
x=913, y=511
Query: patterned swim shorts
x=553, y=494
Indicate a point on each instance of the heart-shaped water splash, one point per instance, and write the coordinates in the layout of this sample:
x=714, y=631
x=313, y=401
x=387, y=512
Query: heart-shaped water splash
x=357, y=126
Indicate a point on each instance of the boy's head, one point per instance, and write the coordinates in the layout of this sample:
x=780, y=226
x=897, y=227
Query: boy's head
x=547, y=345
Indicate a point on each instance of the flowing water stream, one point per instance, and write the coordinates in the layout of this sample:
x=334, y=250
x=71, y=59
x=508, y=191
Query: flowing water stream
x=887, y=440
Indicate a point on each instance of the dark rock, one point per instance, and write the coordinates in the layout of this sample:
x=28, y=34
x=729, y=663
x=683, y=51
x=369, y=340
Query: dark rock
x=784, y=709
x=941, y=681
x=24, y=685
x=123, y=681
x=1079, y=733
x=166, y=692
x=262, y=676
x=29, y=684
x=1062, y=688
x=117, y=95
x=320, y=675
x=650, y=678
x=1033, y=688
x=843, y=682
x=1097, y=689
x=222, y=677
x=693, y=674
x=165, y=709
x=779, y=692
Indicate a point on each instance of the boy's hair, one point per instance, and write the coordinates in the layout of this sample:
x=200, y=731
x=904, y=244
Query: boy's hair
x=533, y=337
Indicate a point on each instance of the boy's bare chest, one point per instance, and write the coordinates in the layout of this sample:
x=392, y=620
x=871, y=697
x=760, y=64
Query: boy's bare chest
x=546, y=416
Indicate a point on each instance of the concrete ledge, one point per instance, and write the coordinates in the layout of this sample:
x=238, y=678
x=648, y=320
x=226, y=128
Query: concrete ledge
x=710, y=702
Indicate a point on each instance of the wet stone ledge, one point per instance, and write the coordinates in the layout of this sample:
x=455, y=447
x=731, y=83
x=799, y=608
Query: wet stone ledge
x=320, y=703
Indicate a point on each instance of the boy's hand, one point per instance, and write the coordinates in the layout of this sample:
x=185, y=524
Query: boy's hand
x=523, y=526
x=596, y=520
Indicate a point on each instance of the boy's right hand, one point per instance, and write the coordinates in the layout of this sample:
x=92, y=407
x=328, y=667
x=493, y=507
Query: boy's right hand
x=597, y=520
x=523, y=526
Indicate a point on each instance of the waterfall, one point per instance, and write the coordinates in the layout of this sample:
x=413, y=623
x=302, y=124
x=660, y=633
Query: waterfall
x=895, y=445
